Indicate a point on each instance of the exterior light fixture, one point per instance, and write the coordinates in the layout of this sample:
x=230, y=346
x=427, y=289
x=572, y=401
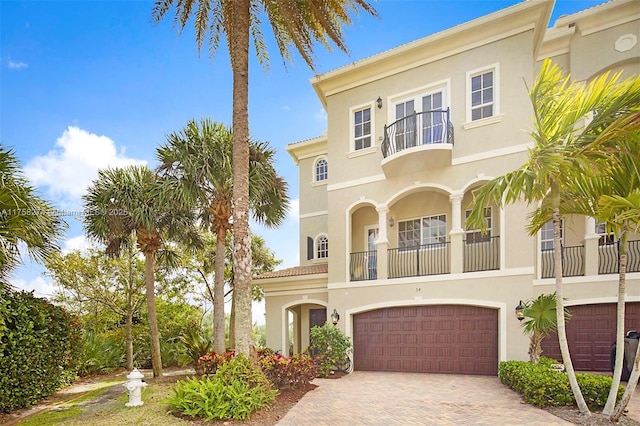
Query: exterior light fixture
x=335, y=317
x=379, y=102
x=520, y=311
x=391, y=221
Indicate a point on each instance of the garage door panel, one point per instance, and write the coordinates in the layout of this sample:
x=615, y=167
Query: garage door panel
x=590, y=332
x=435, y=338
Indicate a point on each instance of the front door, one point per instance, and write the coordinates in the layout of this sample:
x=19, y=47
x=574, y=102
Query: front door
x=372, y=254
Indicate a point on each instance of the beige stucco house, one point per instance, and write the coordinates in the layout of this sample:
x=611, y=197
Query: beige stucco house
x=384, y=195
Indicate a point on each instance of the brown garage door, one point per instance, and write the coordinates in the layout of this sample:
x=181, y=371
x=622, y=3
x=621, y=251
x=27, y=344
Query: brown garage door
x=590, y=332
x=428, y=339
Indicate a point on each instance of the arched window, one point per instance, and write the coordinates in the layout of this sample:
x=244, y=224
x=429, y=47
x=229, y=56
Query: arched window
x=322, y=170
x=322, y=247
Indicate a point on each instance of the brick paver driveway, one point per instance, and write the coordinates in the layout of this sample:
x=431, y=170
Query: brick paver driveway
x=374, y=398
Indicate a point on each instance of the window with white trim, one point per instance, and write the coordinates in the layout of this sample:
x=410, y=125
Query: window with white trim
x=546, y=235
x=606, y=238
x=321, y=170
x=322, y=247
x=483, y=93
x=362, y=128
x=412, y=127
x=422, y=231
x=473, y=236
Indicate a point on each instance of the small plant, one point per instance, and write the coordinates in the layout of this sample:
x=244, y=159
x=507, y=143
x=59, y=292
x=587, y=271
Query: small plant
x=541, y=385
x=234, y=392
x=197, y=344
x=330, y=348
x=288, y=372
x=209, y=364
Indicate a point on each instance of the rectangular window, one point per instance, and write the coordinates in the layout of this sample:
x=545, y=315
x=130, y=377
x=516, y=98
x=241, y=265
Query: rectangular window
x=546, y=235
x=362, y=128
x=475, y=235
x=482, y=95
x=606, y=238
x=423, y=231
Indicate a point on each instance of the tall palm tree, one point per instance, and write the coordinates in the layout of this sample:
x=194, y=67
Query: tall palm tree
x=25, y=218
x=128, y=201
x=540, y=320
x=200, y=157
x=296, y=26
x=567, y=148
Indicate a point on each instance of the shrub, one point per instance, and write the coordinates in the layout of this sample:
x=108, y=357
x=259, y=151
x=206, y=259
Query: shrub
x=287, y=372
x=541, y=386
x=234, y=392
x=209, y=364
x=329, y=346
x=39, y=349
x=196, y=344
x=100, y=354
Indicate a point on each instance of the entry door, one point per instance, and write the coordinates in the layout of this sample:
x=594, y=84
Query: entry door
x=405, y=129
x=433, y=123
x=317, y=317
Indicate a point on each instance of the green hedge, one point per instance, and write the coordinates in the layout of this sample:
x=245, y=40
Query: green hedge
x=39, y=349
x=541, y=386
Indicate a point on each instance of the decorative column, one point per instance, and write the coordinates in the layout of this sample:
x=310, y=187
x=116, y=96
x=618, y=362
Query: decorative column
x=456, y=234
x=382, y=244
x=591, y=258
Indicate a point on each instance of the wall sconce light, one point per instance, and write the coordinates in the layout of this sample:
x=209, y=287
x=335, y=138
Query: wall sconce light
x=391, y=221
x=520, y=311
x=379, y=102
x=335, y=317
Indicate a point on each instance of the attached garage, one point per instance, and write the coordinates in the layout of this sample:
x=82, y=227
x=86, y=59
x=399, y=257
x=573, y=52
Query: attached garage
x=590, y=333
x=427, y=339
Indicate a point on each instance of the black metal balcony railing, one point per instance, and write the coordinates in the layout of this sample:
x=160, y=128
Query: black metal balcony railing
x=364, y=265
x=481, y=254
x=417, y=129
x=609, y=257
x=425, y=259
x=572, y=262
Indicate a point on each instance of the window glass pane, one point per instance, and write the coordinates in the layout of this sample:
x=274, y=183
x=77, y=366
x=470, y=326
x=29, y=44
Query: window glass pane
x=366, y=128
x=487, y=111
x=358, y=117
x=487, y=95
x=487, y=79
x=366, y=114
x=358, y=131
x=476, y=114
x=475, y=83
x=366, y=142
x=476, y=98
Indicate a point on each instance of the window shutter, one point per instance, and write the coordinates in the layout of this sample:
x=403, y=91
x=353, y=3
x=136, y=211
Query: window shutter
x=309, y=248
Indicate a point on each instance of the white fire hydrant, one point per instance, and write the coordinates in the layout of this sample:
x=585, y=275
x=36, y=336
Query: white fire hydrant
x=135, y=386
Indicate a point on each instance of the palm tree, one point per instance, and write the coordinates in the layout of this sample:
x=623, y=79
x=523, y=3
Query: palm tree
x=567, y=148
x=541, y=320
x=200, y=157
x=125, y=202
x=25, y=218
x=296, y=25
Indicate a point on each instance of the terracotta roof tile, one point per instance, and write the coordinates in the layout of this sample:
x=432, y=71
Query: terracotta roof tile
x=321, y=268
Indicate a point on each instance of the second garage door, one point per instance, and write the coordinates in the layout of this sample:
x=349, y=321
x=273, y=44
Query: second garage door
x=429, y=339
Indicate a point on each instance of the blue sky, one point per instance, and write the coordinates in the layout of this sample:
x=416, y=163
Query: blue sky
x=91, y=84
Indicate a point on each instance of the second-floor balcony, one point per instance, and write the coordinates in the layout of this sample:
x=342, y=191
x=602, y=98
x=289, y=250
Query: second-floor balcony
x=418, y=141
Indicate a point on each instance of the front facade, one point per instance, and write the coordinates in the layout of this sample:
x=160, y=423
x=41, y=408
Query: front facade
x=385, y=192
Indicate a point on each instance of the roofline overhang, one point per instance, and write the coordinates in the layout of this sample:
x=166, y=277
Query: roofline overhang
x=307, y=148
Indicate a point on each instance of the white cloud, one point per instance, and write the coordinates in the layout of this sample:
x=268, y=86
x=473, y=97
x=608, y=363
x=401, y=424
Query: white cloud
x=294, y=210
x=321, y=115
x=76, y=243
x=13, y=65
x=70, y=167
x=42, y=287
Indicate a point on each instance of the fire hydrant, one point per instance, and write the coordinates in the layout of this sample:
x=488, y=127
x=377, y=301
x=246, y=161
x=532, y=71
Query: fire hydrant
x=135, y=386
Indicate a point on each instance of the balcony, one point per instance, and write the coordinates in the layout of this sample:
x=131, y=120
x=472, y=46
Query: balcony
x=364, y=265
x=419, y=141
x=425, y=259
x=481, y=253
x=609, y=260
x=572, y=262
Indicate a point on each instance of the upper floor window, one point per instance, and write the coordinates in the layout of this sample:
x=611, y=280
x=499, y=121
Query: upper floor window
x=422, y=231
x=362, y=128
x=322, y=247
x=476, y=235
x=321, y=170
x=606, y=238
x=482, y=93
x=546, y=235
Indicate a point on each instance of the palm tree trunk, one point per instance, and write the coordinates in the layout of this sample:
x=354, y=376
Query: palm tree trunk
x=562, y=332
x=232, y=320
x=240, y=201
x=535, y=347
x=218, y=293
x=149, y=278
x=635, y=373
x=129, y=339
x=622, y=294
